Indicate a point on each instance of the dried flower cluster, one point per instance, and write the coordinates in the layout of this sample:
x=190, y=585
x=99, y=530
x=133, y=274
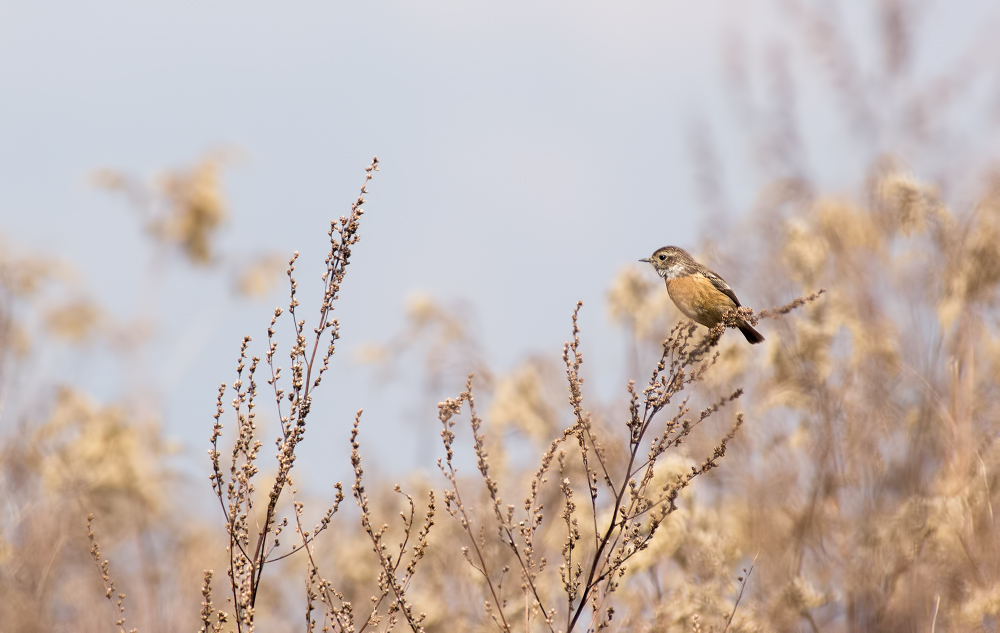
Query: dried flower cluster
x=627, y=504
x=254, y=545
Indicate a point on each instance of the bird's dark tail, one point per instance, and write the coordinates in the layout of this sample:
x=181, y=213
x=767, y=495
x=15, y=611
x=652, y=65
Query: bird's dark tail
x=753, y=336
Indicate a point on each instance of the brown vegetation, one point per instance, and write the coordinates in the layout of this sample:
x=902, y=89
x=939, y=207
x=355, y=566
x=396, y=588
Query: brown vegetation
x=854, y=492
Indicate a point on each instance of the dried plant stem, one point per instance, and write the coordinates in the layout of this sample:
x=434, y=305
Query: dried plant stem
x=342, y=237
x=743, y=585
x=635, y=507
x=341, y=614
x=235, y=492
x=453, y=498
x=117, y=608
x=624, y=534
x=388, y=580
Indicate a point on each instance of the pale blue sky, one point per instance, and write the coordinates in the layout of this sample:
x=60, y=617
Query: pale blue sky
x=528, y=152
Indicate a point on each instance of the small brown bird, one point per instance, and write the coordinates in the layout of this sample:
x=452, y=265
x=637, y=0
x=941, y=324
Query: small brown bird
x=699, y=293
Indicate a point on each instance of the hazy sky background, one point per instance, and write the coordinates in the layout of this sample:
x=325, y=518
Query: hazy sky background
x=528, y=151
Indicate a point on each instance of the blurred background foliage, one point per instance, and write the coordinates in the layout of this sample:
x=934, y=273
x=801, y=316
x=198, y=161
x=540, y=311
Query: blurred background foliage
x=863, y=483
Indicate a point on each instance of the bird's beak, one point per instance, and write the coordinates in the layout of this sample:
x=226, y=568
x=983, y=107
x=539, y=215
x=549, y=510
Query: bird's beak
x=644, y=259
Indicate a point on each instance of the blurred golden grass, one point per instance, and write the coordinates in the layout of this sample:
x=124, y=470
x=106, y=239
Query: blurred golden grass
x=183, y=208
x=864, y=483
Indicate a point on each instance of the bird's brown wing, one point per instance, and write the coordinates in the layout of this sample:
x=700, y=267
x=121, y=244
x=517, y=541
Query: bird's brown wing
x=722, y=286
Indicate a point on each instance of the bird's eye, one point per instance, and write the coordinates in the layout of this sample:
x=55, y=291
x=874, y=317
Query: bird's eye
x=662, y=257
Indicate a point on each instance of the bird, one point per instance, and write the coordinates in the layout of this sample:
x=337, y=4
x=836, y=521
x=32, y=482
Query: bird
x=701, y=294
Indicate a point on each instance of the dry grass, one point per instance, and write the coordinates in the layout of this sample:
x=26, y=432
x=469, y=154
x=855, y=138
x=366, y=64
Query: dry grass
x=856, y=490
x=628, y=497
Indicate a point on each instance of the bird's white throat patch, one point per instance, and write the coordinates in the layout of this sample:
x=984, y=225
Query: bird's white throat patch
x=672, y=272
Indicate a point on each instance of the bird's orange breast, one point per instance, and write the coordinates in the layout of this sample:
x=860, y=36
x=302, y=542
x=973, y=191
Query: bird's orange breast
x=699, y=299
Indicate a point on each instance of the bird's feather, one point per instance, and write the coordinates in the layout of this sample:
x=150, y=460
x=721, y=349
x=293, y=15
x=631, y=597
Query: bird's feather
x=722, y=286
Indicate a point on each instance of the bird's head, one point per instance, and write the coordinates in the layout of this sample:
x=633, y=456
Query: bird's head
x=671, y=261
